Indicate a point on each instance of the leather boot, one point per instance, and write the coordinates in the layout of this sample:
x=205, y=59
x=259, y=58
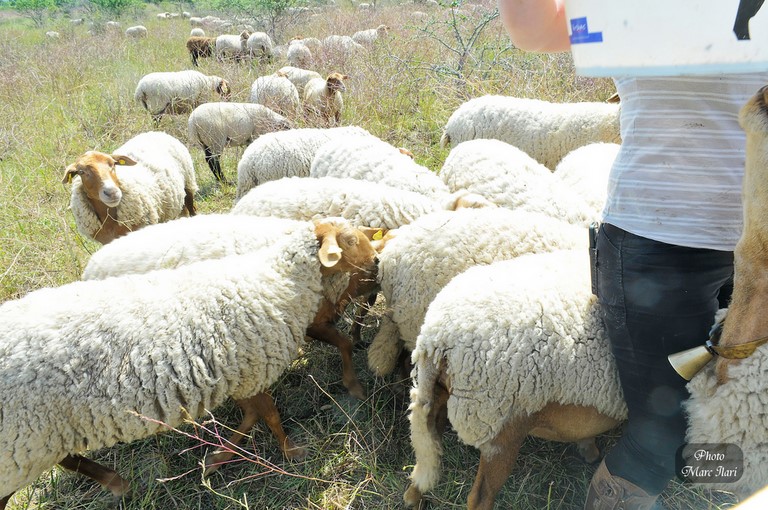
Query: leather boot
x=608, y=492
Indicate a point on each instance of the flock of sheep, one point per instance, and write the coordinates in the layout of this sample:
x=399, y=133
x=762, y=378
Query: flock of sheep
x=179, y=311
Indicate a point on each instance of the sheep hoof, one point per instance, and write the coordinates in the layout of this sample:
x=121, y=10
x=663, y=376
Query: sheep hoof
x=413, y=497
x=356, y=390
x=588, y=450
x=296, y=453
x=214, y=461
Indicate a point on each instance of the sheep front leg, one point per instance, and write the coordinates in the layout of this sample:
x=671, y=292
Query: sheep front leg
x=106, y=477
x=4, y=501
x=255, y=407
x=328, y=334
x=497, y=459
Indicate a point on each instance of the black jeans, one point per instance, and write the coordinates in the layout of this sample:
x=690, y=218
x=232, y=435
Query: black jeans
x=656, y=299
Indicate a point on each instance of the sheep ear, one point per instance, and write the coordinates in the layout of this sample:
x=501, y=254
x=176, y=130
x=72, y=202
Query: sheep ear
x=123, y=160
x=330, y=253
x=70, y=172
x=223, y=88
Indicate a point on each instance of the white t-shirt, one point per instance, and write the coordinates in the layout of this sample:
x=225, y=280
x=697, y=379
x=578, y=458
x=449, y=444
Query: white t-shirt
x=677, y=177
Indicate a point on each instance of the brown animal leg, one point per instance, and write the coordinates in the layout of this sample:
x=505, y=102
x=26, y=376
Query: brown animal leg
x=330, y=335
x=4, y=501
x=588, y=449
x=189, y=202
x=106, y=477
x=360, y=312
x=496, y=466
x=260, y=405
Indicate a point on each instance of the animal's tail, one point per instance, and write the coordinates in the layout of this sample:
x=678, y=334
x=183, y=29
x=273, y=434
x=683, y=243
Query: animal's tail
x=385, y=348
x=445, y=140
x=424, y=438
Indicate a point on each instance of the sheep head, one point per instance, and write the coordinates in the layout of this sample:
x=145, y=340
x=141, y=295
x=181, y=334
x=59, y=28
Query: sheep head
x=223, y=88
x=344, y=248
x=97, y=173
x=335, y=82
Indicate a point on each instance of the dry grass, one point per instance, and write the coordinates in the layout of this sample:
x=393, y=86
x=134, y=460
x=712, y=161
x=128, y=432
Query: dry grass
x=63, y=97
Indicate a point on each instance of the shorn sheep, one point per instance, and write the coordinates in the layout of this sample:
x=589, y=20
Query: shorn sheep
x=729, y=398
x=177, y=92
x=214, y=126
x=426, y=254
x=285, y=154
x=177, y=343
x=545, y=131
x=200, y=46
x=275, y=91
x=542, y=367
x=322, y=98
x=149, y=179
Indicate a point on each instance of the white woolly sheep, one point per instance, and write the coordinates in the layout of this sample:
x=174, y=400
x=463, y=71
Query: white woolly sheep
x=322, y=98
x=216, y=236
x=729, y=401
x=299, y=55
x=196, y=21
x=314, y=44
x=372, y=159
x=585, y=172
x=299, y=77
x=197, y=32
x=112, y=25
x=276, y=92
x=370, y=36
x=163, y=15
x=137, y=31
x=285, y=154
x=260, y=46
x=233, y=47
x=542, y=367
x=510, y=178
x=545, y=131
x=338, y=48
x=214, y=126
x=108, y=199
x=177, y=92
x=425, y=255
x=52, y=35
x=177, y=343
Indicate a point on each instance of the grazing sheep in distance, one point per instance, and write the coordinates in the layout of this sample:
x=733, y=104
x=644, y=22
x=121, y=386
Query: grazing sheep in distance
x=299, y=55
x=545, y=131
x=52, y=35
x=370, y=36
x=108, y=201
x=200, y=46
x=232, y=46
x=137, y=31
x=543, y=367
x=214, y=126
x=177, y=92
x=285, y=154
x=197, y=32
x=260, y=46
x=299, y=77
x=275, y=91
x=322, y=98
x=187, y=339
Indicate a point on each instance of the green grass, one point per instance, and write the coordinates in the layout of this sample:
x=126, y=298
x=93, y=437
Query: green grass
x=63, y=97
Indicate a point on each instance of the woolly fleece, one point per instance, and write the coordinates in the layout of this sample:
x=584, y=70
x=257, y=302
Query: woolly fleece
x=546, y=131
x=424, y=256
x=181, y=90
x=76, y=364
x=585, y=172
x=275, y=92
x=153, y=190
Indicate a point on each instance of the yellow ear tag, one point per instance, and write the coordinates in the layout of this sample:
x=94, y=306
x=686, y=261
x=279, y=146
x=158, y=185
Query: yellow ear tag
x=378, y=235
x=69, y=178
x=121, y=162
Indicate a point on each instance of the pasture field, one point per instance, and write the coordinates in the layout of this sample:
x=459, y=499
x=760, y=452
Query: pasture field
x=61, y=97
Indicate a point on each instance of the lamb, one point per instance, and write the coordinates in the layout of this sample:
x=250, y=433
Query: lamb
x=163, y=351
x=728, y=400
x=372, y=159
x=285, y=154
x=543, y=367
x=322, y=98
x=200, y=46
x=136, y=32
x=276, y=92
x=177, y=92
x=423, y=257
x=197, y=32
x=299, y=55
x=299, y=77
x=108, y=201
x=585, y=172
x=545, y=131
x=260, y=46
x=233, y=47
x=510, y=178
x=215, y=126
x=370, y=36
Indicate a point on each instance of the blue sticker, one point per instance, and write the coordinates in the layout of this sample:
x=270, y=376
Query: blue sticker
x=580, y=32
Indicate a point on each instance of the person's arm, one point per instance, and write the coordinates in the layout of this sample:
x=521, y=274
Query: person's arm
x=536, y=25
